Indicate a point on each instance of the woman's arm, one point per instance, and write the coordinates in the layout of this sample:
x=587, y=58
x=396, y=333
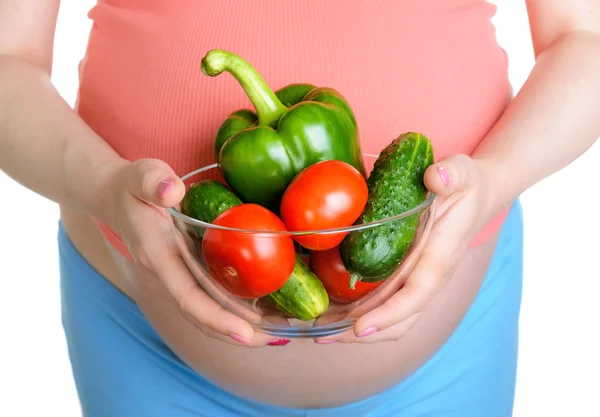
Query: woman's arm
x=47, y=148
x=44, y=145
x=555, y=117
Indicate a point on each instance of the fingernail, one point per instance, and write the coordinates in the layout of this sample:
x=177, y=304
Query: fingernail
x=239, y=338
x=367, y=332
x=279, y=342
x=325, y=342
x=164, y=188
x=444, y=176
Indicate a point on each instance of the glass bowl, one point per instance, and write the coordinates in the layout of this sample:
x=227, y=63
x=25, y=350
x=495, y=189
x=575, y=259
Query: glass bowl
x=260, y=312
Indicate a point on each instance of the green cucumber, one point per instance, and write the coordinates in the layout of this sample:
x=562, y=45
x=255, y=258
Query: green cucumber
x=206, y=200
x=303, y=296
x=395, y=186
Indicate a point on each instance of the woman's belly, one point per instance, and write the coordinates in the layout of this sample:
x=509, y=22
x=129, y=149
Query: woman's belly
x=314, y=375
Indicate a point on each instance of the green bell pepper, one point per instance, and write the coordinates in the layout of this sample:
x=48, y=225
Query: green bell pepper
x=260, y=153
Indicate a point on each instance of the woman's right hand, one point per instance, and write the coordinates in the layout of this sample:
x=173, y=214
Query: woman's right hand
x=139, y=193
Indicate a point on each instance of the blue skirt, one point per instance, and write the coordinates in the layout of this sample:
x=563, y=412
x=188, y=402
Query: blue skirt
x=122, y=368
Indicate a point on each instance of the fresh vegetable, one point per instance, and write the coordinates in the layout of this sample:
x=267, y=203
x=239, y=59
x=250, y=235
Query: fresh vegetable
x=395, y=186
x=303, y=295
x=206, y=200
x=249, y=265
x=327, y=194
x=329, y=268
x=260, y=153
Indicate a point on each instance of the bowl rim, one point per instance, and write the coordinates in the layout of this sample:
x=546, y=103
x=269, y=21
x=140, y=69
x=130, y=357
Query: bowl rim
x=426, y=204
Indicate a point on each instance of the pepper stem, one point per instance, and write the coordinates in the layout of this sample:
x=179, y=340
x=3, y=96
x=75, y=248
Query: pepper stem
x=268, y=107
x=354, y=278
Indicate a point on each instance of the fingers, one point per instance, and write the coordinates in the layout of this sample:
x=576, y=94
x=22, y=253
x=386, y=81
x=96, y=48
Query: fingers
x=260, y=340
x=156, y=254
x=400, y=312
x=423, y=284
x=392, y=333
x=200, y=309
x=155, y=182
x=197, y=306
x=454, y=174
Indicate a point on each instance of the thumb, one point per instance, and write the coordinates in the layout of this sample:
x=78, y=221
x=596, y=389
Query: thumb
x=454, y=174
x=154, y=181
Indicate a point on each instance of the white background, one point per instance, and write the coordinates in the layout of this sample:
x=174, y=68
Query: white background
x=559, y=364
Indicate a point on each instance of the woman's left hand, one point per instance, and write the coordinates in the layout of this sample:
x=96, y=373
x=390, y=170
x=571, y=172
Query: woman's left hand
x=463, y=189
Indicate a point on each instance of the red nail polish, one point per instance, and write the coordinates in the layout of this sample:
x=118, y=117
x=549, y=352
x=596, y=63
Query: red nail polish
x=444, y=176
x=279, y=342
x=164, y=188
x=239, y=338
x=367, y=332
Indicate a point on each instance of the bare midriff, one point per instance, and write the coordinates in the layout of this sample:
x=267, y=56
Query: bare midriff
x=315, y=375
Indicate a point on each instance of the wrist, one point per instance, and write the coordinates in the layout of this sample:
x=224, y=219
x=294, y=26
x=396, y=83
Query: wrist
x=496, y=190
x=107, y=182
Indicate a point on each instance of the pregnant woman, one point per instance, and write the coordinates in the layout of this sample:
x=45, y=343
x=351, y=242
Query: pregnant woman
x=145, y=340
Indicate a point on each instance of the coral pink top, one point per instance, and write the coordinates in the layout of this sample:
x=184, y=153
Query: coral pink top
x=432, y=66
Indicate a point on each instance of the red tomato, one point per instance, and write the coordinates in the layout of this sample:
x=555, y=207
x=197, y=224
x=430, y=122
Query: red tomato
x=327, y=265
x=249, y=265
x=325, y=195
